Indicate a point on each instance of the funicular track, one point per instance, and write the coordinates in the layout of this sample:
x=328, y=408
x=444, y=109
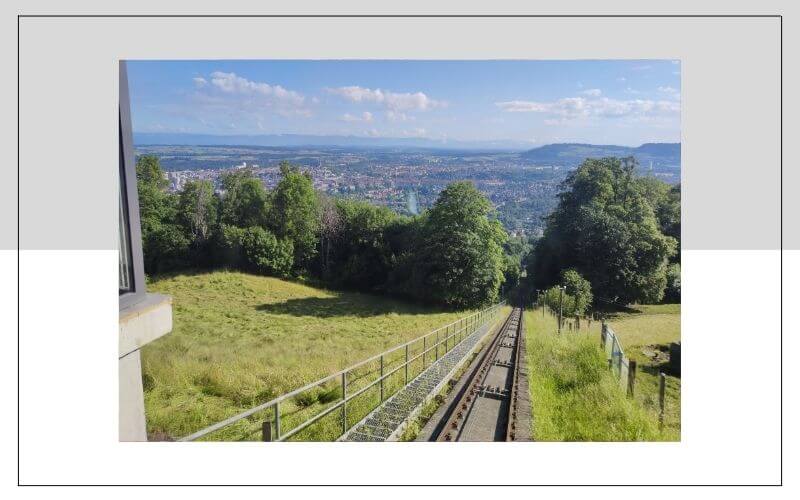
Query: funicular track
x=493, y=404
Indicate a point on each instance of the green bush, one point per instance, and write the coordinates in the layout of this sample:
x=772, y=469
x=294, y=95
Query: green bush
x=579, y=289
x=672, y=295
x=165, y=248
x=228, y=246
x=266, y=254
x=569, y=303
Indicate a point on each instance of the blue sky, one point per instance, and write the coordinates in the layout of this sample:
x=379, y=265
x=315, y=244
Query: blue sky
x=626, y=102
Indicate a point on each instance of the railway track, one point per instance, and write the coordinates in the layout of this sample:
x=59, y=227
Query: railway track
x=493, y=404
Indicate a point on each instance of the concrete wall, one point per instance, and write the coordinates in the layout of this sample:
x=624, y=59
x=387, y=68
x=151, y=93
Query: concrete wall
x=139, y=325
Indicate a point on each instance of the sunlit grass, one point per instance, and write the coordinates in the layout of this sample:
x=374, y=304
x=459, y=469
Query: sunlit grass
x=240, y=340
x=574, y=396
x=639, y=332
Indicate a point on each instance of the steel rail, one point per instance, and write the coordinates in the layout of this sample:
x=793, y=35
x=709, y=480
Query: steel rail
x=511, y=428
x=463, y=406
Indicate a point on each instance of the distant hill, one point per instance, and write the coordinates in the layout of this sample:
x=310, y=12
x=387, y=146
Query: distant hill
x=572, y=155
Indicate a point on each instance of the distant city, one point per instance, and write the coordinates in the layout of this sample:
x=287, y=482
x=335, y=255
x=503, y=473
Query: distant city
x=522, y=185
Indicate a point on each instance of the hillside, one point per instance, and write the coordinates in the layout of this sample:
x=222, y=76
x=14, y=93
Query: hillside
x=239, y=340
x=571, y=155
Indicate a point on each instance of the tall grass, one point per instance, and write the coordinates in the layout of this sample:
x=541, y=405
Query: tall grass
x=642, y=332
x=240, y=340
x=574, y=396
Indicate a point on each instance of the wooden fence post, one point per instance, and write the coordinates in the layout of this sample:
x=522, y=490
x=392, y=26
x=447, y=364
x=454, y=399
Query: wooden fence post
x=631, y=376
x=266, y=430
x=662, y=389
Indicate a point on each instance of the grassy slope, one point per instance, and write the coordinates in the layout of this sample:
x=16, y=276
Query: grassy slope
x=574, y=395
x=653, y=325
x=240, y=340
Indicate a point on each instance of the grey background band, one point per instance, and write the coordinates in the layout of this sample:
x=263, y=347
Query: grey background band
x=731, y=104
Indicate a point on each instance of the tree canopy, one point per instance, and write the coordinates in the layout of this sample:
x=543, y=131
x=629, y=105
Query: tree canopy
x=295, y=212
x=454, y=254
x=605, y=228
x=460, y=258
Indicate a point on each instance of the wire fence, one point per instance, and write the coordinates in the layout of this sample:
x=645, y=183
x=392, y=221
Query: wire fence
x=325, y=409
x=622, y=367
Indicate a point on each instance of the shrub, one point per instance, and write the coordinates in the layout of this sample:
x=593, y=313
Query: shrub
x=166, y=248
x=579, y=289
x=266, y=254
x=228, y=246
x=307, y=398
x=672, y=294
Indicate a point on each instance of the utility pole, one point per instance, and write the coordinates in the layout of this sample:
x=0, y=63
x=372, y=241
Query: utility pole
x=560, y=306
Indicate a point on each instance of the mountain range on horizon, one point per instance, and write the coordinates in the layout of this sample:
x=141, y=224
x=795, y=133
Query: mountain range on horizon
x=664, y=154
x=299, y=140
x=559, y=154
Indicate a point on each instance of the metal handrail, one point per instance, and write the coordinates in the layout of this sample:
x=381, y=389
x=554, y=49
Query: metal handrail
x=464, y=326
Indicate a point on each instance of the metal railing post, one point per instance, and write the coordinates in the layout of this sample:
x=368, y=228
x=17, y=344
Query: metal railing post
x=437, y=346
x=406, y=364
x=381, y=378
x=277, y=421
x=424, y=351
x=662, y=391
x=344, y=402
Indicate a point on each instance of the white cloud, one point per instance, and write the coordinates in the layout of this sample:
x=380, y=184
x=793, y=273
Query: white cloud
x=394, y=101
x=621, y=79
x=395, y=116
x=671, y=91
x=592, y=92
x=231, y=83
x=243, y=104
x=571, y=108
x=246, y=101
x=366, y=116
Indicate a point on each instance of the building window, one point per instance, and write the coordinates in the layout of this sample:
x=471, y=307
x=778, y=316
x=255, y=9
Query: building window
x=131, y=265
x=125, y=259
